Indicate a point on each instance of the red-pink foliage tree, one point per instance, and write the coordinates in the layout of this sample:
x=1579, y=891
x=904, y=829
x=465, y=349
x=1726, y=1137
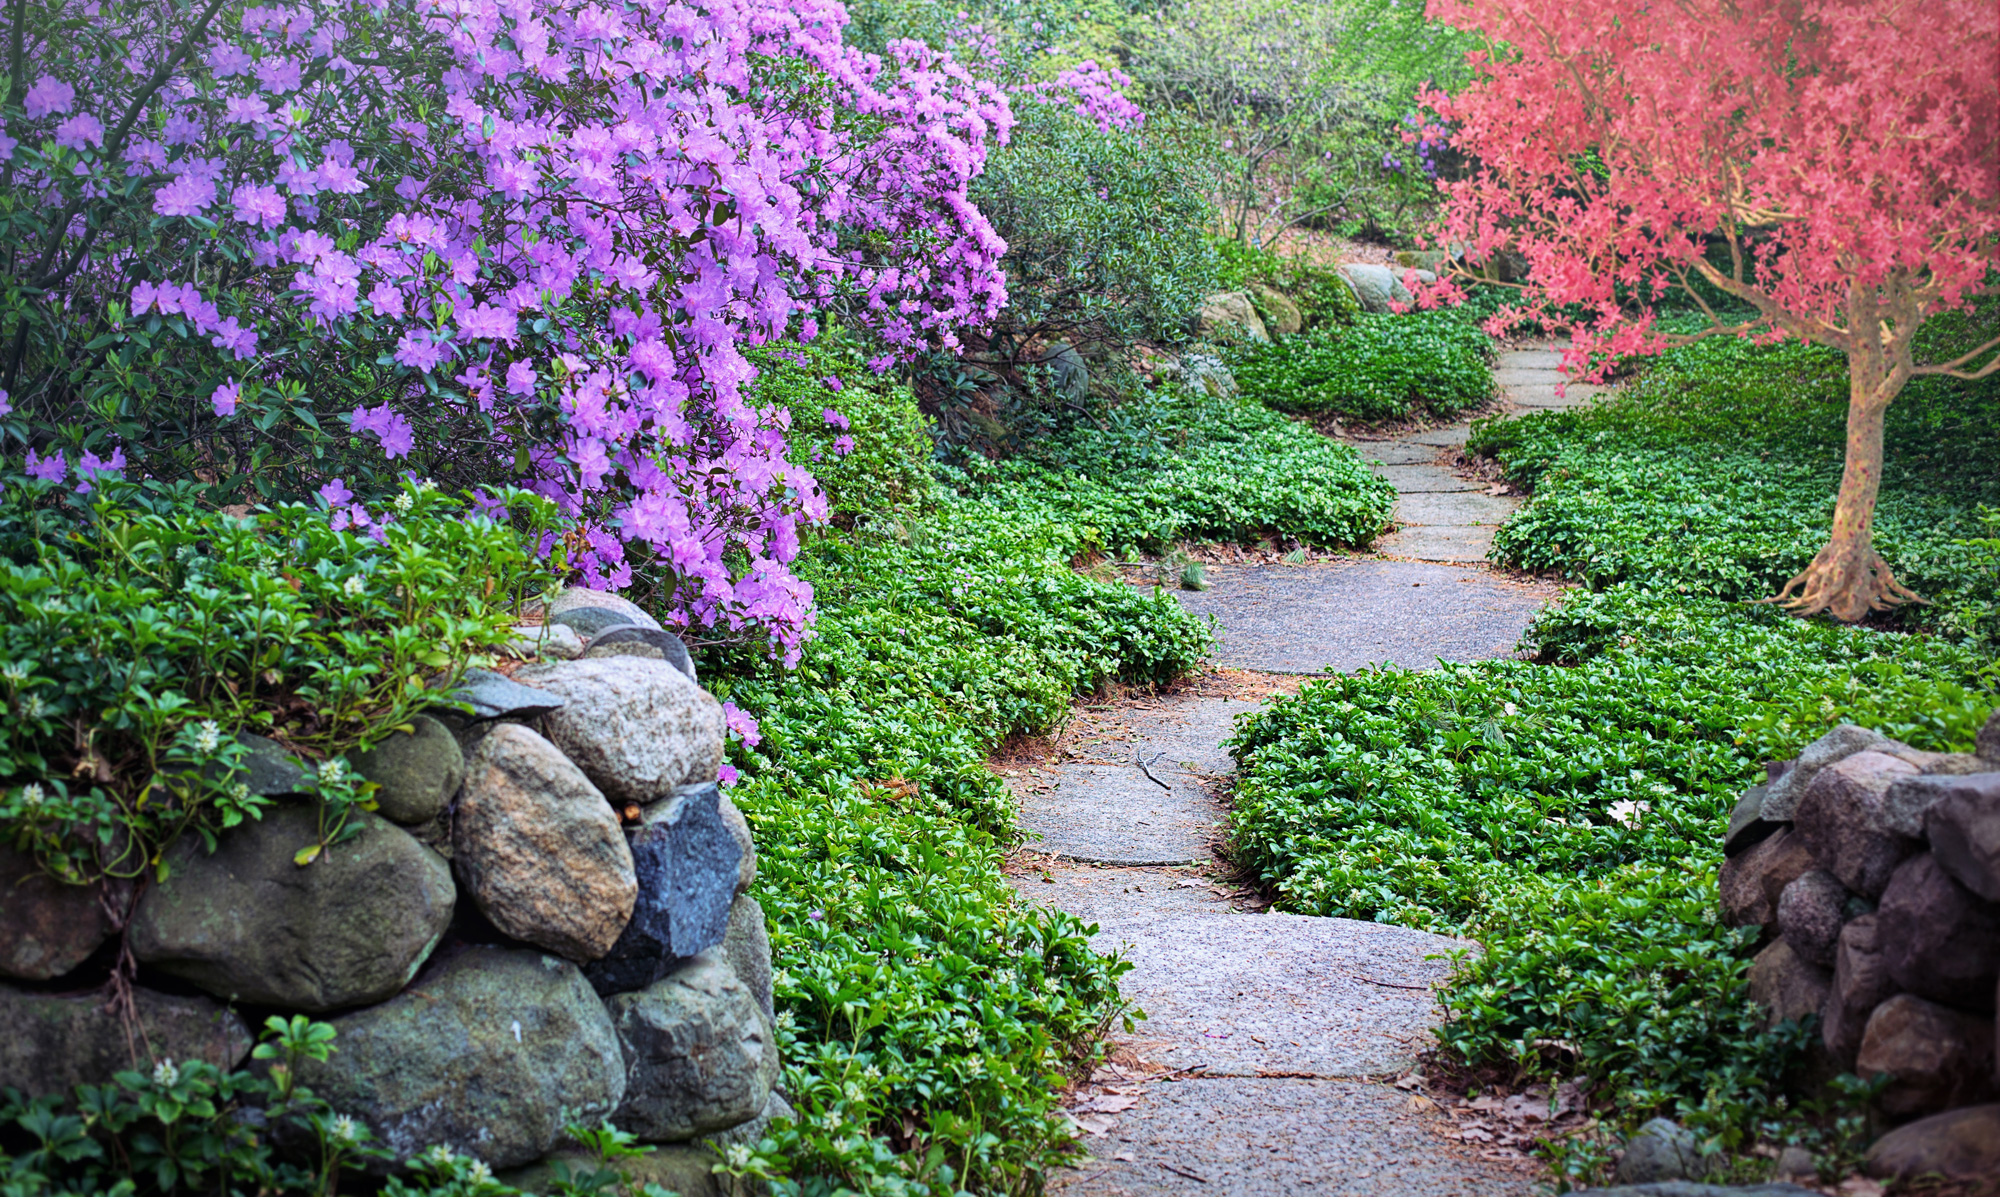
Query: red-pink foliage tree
x=1844, y=153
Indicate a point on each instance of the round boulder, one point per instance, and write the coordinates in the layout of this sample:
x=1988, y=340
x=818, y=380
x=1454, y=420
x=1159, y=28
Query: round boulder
x=540, y=849
x=571, y=599
x=416, y=773
x=1940, y=1057
x=1230, y=317
x=47, y=927
x=49, y=1043
x=492, y=1052
x=250, y=924
x=638, y=727
x=1939, y=940
x=1963, y=1146
x=698, y=1054
x=1810, y=914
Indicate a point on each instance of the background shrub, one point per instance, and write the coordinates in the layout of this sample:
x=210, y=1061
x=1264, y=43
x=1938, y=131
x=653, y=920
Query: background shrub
x=1379, y=367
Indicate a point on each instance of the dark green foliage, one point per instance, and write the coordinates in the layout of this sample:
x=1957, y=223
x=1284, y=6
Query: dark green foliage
x=1170, y=468
x=885, y=462
x=138, y=634
x=1382, y=367
x=1322, y=295
x=1716, y=472
x=916, y=985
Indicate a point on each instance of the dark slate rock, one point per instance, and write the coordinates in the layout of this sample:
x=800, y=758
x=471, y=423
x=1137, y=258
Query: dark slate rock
x=593, y=621
x=1962, y=1145
x=51, y=1043
x=1747, y=826
x=416, y=773
x=686, y=860
x=247, y=922
x=1940, y=1058
x=1962, y=822
x=1941, y=941
x=493, y=695
x=699, y=1055
x=492, y=1052
x=1810, y=914
x=1788, y=987
x=1661, y=1151
x=1837, y=743
x=47, y=927
x=671, y=648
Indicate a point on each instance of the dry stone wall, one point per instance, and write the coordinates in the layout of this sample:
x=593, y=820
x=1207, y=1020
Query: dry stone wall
x=543, y=923
x=1874, y=871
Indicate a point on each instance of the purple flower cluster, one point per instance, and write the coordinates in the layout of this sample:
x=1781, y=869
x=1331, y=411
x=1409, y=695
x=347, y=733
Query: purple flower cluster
x=572, y=221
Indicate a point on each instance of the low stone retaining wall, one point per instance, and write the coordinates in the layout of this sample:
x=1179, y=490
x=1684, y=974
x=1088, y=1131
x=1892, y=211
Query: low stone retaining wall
x=545, y=922
x=1874, y=870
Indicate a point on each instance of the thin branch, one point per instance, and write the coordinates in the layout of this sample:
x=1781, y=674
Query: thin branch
x=1952, y=369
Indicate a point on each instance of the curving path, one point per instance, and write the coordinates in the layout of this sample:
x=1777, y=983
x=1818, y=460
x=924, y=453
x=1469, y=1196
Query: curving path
x=1269, y=1056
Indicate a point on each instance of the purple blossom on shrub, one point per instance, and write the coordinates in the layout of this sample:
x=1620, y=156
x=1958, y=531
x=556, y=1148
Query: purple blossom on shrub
x=224, y=398
x=51, y=468
x=90, y=467
x=47, y=95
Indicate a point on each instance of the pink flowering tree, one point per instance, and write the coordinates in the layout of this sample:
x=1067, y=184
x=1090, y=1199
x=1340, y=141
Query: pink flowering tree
x=304, y=249
x=1832, y=164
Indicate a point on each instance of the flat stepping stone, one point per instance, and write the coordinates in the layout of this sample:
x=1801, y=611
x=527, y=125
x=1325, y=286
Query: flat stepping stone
x=1396, y=453
x=1543, y=395
x=1512, y=377
x=1104, y=808
x=1282, y=1137
x=1544, y=359
x=1454, y=508
x=1449, y=436
x=1345, y=615
x=1427, y=477
x=1238, y=993
x=1439, y=543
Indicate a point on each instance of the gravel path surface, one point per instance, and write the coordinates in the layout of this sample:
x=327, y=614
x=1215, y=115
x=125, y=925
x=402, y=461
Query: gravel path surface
x=1264, y=1062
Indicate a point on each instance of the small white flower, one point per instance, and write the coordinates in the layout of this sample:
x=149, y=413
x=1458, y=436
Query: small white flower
x=1509, y=708
x=31, y=795
x=332, y=771
x=345, y=1129
x=165, y=1073
x=480, y=1172
x=32, y=708
x=208, y=737
x=13, y=672
x=975, y=1065
x=239, y=791
x=355, y=585
x=404, y=502
x=439, y=1156
x=787, y=1021
x=1627, y=812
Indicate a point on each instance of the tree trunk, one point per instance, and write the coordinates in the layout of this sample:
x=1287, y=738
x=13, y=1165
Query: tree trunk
x=1847, y=578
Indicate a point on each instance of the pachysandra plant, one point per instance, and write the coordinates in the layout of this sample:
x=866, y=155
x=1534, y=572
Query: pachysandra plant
x=1843, y=154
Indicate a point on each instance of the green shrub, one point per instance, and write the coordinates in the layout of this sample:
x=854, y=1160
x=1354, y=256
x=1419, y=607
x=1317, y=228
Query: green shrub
x=1171, y=467
x=1379, y=368
x=1322, y=295
x=1502, y=801
x=879, y=459
x=927, y=1013
x=138, y=634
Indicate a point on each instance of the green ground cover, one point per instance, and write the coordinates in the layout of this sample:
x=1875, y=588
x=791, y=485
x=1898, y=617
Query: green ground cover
x=1377, y=367
x=1567, y=811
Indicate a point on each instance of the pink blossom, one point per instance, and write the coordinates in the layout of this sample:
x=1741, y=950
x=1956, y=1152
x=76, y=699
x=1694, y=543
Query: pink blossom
x=520, y=378
x=834, y=419
x=258, y=204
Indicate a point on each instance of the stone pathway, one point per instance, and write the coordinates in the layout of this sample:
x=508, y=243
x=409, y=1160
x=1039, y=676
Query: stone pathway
x=1272, y=1044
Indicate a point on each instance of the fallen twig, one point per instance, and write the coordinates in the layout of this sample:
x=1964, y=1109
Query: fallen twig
x=1178, y=1171
x=1148, y=768
x=1408, y=987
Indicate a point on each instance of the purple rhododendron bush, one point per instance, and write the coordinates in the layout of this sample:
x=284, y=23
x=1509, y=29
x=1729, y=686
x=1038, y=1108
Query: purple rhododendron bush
x=303, y=251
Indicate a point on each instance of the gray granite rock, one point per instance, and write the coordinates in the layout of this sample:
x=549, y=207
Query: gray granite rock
x=739, y=828
x=1939, y=940
x=1810, y=914
x=250, y=924
x=1751, y=883
x=685, y=861
x=590, y=622
x=493, y=695
x=1374, y=285
x=554, y=640
x=698, y=1053
x=1860, y=983
x=1987, y=744
x=1962, y=1146
x=572, y=598
x=747, y=950
x=1787, y=987
x=539, y=848
x=1962, y=822
x=1230, y=317
x=270, y=769
x=1842, y=819
x=416, y=773
x=666, y=646
x=47, y=927
x=676, y=1168
x=1940, y=1058
x=492, y=1052
x=638, y=728
x=51, y=1043
x=1836, y=744
x=1662, y=1150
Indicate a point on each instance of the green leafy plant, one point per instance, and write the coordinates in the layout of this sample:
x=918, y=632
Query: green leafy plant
x=1379, y=368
